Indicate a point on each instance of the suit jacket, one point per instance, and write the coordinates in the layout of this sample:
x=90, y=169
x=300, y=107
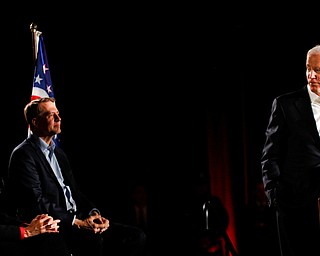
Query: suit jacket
x=32, y=187
x=9, y=228
x=291, y=154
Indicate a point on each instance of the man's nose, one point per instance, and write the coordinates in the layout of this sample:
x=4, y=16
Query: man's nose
x=57, y=118
x=313, y=74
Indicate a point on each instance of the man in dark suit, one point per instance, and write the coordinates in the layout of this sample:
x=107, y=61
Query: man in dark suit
x=40, y=180
x=291, y=162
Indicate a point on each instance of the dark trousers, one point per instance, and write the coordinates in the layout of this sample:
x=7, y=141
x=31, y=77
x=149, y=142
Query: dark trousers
x=298, y=230
x=117, y=240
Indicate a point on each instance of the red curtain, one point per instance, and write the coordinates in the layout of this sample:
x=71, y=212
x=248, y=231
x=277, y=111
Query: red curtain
x=220, y=173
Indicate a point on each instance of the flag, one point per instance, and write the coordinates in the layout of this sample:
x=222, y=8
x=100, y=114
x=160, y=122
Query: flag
x=42, y=84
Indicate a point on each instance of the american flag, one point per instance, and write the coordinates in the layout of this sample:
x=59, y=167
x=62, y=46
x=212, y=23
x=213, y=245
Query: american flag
x=42, y=84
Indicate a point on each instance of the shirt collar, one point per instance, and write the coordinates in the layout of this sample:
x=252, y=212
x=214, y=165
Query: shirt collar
x=313, y=97
x=43, y=145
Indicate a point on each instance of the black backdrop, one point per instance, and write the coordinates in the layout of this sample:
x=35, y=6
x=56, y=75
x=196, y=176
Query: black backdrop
x=134, y=85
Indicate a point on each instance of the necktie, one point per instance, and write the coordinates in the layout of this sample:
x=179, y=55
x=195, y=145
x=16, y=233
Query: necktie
x=68, y=195
x=59, y=176
x=50, y=152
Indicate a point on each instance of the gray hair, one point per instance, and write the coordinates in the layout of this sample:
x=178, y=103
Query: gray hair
x=314, y=50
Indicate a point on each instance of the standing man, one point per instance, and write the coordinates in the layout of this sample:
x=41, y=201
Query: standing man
x=40, y=180
x=291, y=163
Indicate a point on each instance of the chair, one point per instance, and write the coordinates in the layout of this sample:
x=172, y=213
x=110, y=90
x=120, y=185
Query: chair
x=215, y=238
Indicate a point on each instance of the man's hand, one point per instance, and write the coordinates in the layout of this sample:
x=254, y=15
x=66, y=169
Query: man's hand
x=42, y=223
x=94, y=223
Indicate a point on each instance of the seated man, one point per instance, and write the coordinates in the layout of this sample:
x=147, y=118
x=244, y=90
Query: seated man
x=40, y=180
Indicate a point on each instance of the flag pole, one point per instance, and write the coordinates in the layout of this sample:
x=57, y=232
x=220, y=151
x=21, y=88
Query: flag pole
x=33, y=28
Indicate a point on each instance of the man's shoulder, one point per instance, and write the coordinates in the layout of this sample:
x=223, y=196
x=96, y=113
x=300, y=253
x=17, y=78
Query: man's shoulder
x=26, y=145
x=300, y=93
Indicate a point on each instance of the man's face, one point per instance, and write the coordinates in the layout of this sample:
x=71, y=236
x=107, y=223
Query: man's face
x=313, y=72
x=48, y=122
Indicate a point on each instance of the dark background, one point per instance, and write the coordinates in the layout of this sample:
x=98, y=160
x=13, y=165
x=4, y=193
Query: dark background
x=135, y=84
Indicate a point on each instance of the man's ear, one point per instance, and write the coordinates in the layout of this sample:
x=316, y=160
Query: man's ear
x=34, y=122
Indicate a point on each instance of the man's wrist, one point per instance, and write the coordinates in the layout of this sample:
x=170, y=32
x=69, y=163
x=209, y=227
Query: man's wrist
x=77, y=223
x=26, y=233
x=22, y=230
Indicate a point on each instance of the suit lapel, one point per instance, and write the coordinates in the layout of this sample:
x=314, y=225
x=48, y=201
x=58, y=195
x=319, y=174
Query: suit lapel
x=304, y=108
x=42, y=158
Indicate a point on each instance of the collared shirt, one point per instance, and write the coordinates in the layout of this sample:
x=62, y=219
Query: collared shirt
x=48, y=151
x=315, y=104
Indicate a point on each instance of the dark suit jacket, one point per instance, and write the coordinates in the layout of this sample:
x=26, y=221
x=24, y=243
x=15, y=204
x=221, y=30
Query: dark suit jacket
x=291, y=154
x=9, y=228
x=32, y=187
